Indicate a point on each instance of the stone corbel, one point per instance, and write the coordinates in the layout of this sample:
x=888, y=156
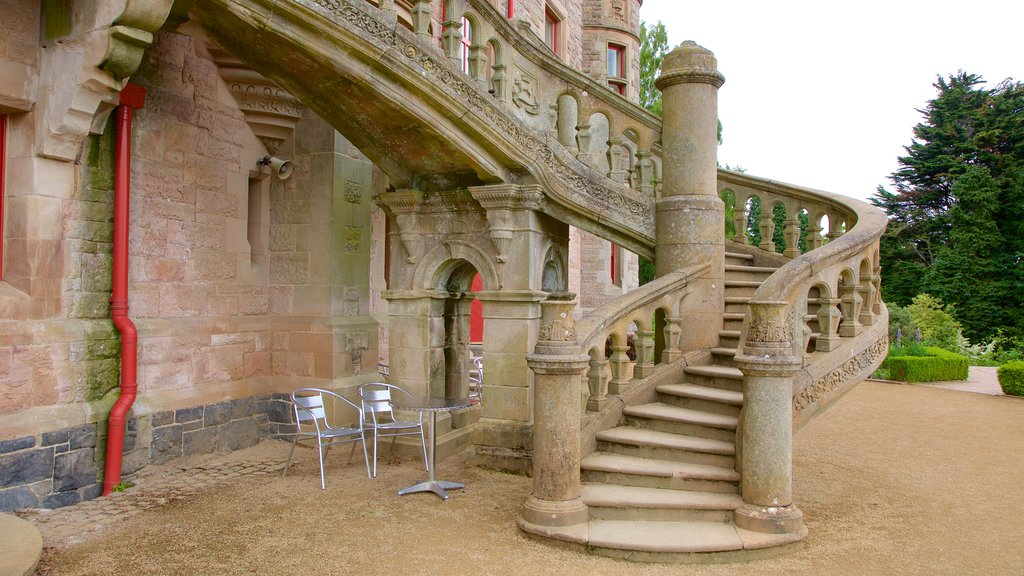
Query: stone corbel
x=270, y=111
x=98, y=61
x=500, y=201
x=404, y=205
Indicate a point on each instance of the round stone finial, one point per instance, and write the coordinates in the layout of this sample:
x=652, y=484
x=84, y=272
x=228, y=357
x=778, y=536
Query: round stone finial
x=689, y=63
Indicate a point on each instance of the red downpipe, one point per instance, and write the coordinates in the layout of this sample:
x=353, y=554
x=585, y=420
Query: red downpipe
x=132, y=97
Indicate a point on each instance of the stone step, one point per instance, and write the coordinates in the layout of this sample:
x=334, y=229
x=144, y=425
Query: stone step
x=733, y=320
x=730, y=397
x=737, y=304
x=682, y=421
x=616, y=502
x=692, y=542
x=750, y=273
x=662, y=537
x=725, y=377
x=738, y=257
x=724, y=356
x=658, y=445
x=728, y=338
x=734, y=288
x=605, y=468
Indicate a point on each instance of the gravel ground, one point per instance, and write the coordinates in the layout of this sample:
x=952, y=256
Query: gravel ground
x=892, y=480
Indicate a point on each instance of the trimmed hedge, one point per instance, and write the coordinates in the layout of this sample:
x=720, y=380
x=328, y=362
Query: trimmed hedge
x=939, y=365
x=1011, y=377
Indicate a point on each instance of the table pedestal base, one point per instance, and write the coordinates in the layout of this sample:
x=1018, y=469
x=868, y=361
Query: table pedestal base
x=436, y=486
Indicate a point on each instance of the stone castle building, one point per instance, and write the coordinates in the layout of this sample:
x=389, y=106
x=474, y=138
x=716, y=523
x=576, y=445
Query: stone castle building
x=456, y=171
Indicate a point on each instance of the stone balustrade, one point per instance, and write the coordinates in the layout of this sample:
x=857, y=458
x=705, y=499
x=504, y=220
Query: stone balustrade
x=641, y=330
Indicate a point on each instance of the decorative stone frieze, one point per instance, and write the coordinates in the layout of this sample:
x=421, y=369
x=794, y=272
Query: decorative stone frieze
x=814, y=394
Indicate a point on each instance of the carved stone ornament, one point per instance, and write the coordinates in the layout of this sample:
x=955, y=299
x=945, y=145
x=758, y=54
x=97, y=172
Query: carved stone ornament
x=815, y=393
x=619, y=200
x=770, y=331
x=557, y=323
x=523, y=96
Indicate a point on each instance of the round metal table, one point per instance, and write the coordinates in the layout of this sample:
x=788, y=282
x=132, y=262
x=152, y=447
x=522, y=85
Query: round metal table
x=431, y=405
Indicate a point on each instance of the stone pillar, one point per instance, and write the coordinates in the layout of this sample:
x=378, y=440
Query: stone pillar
x=555, y=502
x=690, y=215
x=766, y=422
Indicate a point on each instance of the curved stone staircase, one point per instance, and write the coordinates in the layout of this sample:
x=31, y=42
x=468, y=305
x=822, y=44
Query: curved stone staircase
x=664, y=485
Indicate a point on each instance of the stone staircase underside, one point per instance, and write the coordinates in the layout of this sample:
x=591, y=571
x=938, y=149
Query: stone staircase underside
x=405, y=106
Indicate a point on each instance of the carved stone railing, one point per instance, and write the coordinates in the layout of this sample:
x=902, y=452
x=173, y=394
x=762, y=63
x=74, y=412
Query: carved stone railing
x=643, y=323
x=488, y=132
x=821, y=301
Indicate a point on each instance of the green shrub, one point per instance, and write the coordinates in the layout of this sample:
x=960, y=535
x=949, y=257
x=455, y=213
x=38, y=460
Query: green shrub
x=937, y=366
x=1011, y=377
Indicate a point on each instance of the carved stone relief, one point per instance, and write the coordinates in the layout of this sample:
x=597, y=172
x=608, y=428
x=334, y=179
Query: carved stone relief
x=815, y=393
x=523, y=94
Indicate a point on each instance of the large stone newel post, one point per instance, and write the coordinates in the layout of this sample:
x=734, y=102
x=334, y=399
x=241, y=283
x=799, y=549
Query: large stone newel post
x=766, y=423
x=555, y=503
x=690, y=216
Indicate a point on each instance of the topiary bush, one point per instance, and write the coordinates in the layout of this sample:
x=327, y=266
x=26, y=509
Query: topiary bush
x=937, y=366
x=1011, y=377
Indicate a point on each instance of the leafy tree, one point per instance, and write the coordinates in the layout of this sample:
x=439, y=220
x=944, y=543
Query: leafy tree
x=653, y=47
x=956, y=213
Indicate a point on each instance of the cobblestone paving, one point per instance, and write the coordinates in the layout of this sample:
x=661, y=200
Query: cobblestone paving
x=155, y=486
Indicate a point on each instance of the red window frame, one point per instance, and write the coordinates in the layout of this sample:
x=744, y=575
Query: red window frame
x=551, y=25
x=511, y=8
x=616, y=76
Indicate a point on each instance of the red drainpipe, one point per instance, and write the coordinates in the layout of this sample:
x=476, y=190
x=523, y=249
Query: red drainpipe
x=132, y=97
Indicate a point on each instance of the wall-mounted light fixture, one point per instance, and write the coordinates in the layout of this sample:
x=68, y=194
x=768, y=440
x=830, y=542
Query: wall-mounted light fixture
x=280, y=168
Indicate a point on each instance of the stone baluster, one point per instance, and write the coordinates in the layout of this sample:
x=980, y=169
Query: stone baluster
x=619, y=362
x=583, y=143
x=767, y=230
x=388, y=8
x=828, y=324
x=421, y=11
x=555, y=499
x=451, y=39
x=478, y=64
x=813, y=235
x=739, y=219
x=834, y=222
x=867, y=295
x=673, y=338
x=498, y=83
x=876, y=281
x=597, y=383
x=766, y=422
x=792, y=235
x=850, y=303
x=645, y=171
x=614, y=153
x=644, y=354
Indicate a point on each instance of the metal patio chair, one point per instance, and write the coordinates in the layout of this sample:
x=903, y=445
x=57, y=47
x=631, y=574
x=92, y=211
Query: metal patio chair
x=311, y=421
x=378, y=416
x=476, y=380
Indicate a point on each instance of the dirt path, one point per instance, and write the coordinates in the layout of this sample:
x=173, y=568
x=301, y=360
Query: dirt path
x=892, y=480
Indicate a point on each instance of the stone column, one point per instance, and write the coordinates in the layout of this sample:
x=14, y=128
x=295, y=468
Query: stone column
x=555, y=502
x=690, y=215
x=766, y=423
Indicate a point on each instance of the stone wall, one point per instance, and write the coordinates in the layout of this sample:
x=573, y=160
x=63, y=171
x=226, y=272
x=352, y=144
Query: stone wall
x=62, y=467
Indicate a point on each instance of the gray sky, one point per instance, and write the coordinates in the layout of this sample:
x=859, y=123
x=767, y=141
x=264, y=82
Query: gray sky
x=825, y=95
